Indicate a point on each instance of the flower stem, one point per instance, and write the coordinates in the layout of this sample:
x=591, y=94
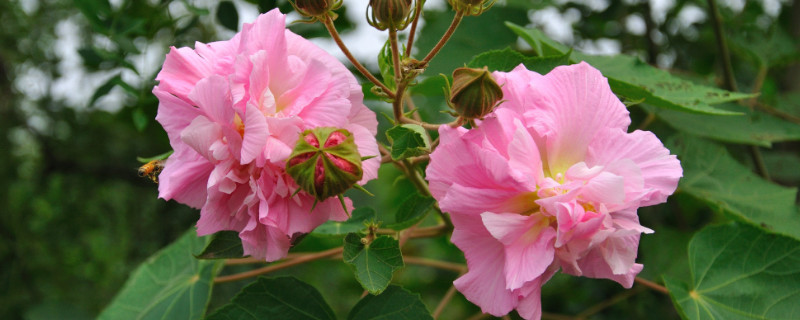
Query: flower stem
x=335, y=35
x=276, y=267
x=605, y=304
x=417, y=12
x=651, y=285
x=447, y=297
x=445, y=37
x=444, y=265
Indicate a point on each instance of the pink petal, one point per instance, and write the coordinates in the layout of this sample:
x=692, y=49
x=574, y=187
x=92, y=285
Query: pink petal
x=182, y=69
x=483, y=285
x=255, y=134
x=213, y=96
x=659, y=169
x=528, y=242
x=184, y=178
x=174, y=114
x=200, y=135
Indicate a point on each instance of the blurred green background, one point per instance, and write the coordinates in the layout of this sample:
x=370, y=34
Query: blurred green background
x=76, y=110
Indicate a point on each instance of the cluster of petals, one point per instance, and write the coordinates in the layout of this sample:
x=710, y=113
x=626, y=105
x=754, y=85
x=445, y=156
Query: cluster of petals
x=233, y=111
x=549, y=180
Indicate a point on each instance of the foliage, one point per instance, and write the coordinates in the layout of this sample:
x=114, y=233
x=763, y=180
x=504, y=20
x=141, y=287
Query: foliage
x=77, y=221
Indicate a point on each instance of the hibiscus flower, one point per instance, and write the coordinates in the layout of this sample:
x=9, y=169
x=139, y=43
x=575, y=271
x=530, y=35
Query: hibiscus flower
x=233, y=111
x=550, y=180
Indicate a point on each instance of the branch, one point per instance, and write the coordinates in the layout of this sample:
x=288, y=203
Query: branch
x=445, y=37
x=292, y=262
x=722, y=46
x=335, y=35
x=444, y=265
x=447, y=297
x=651, y=285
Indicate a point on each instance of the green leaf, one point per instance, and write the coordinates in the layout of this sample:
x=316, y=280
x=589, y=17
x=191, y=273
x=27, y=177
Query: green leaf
x=635, y=80
x=753, y=127
x=354, y=224
x=740, y=272
x=507, y=59
x=171, y=284
x=105, y=88
x=387, y=65
x=768, y=49
x=224, y=245
x=408, y=140
x=373, y=263
x=413, y=209
x=711, y=175
x=158, y=157
x=395, y=303
x=227, y=15
x=541, y=44
x=276, y=298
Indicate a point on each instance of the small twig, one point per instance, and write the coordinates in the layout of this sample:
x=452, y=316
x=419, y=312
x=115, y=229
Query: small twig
x=757, y=84
x=722, y=46
x=651, y=285
x=445, y=37
x=417, y=12
x=446, y=299
x=478, y=316
x=651, y=116
x=610, y=302
x=427, y=232
x=778, y=113
x=335, y=35
x=755, y=152
x=444, y=265
x=293, y=262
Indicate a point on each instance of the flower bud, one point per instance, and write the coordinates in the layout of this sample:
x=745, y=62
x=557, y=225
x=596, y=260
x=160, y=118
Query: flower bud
x=471, y=7
x=394, y=14
x=325, y=169
x=474, y=93
x=316, y=8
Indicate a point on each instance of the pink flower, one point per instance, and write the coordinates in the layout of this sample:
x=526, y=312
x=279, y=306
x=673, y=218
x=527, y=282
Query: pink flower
x=233, y=111
x=550, y=180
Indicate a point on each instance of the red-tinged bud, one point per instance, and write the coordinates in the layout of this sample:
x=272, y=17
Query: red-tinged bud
x=474, y=93
x=389, y=14
x=329, y=170
x=471, y=7
x=316, y=8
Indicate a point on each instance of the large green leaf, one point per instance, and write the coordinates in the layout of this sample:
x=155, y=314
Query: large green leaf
x=395, y=303
x=630, y=77
x=373, y=263
x=277, y=298
x=171, y=284
x=411, y=211
x=753, y=127
x=354, y=224
x=740, y=272
x=768, y=49
x=508, y=59
x=711, y=175
x=224, y=245
x=408, y=140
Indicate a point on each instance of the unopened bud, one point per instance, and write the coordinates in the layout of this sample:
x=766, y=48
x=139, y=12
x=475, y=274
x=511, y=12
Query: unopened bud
x=471, y=7
x=474, y=93
x=325, y=162
x=389, y=14
x=316, y=8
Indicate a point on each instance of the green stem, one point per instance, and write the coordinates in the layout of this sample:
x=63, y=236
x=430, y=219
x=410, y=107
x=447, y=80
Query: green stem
x=445, y=37
x=335, y=35
x=413, y=31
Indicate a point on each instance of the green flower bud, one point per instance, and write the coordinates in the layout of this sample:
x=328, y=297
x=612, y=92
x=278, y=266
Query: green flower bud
x=389, y=14
x=325, y=169
x=471, y=7
x=474, y=93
